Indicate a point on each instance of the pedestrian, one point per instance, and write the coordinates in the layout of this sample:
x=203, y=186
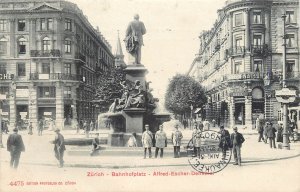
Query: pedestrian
x=184, y=122
x=200, y=125
x=160, y=141
x=51, y=125
x=95, y=145
x=59, y=147
x=206, y=125
x=30, y=127
x=265, y=133
x=260, y=130
x=214, y=122
x=41, y=127
x=196, y=139
x=279, y=137
x=176, y=139
x=271, y=134
x=237, y=140
x=224, y=143
x=92, y=125
x=15, y=146
x=5, y=127
x=132, y=141
x=147, y=141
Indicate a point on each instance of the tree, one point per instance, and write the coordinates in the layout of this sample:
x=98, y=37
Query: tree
x=183, y=91
x=108, y=88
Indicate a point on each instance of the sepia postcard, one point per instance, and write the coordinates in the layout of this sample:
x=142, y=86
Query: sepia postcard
x=149, y=95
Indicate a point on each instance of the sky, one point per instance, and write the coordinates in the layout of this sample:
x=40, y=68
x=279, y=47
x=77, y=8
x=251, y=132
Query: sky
x=173, y=28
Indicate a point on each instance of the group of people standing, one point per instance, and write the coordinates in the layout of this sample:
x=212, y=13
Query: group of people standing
x=273, y=132
x=159, y=140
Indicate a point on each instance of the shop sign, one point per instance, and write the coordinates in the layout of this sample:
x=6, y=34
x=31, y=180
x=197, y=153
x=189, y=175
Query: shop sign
x=4, y=113
x=46, y=101
x=47, y=113
x=22, y=93
x=238, y=94
x=6, y=76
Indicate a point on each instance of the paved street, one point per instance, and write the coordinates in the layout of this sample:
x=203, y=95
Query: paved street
x=260, y=167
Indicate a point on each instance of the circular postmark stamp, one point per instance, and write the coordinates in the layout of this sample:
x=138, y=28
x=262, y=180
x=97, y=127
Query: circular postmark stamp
x=208, y=157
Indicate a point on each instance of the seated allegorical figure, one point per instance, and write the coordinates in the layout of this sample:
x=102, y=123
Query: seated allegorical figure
x=136, y=97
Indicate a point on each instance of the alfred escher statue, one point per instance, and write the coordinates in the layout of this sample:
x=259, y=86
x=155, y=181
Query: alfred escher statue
x=134, y=38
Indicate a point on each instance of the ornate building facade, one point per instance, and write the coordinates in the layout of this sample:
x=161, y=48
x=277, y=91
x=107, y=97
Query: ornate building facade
x=50, y=56
x=240, y=60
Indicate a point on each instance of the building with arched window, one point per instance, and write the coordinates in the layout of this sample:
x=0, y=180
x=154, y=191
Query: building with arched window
x=240, y=60
x=49, y=57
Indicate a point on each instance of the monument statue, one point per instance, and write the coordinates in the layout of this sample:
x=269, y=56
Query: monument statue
x=134, y=38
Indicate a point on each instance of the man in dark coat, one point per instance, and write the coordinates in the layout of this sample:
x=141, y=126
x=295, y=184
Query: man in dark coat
x=59, y=147
x=270, y=130
x=236, y=142
x=224, y=143
x=15, y=146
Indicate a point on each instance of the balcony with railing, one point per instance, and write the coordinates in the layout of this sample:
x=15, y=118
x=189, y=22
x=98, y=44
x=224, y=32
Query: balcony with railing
x=243, y=76
x=80, y=57
x=238, y=50
x=43, y=53
x=293, y=75
x=56, y=76
x=260, y=50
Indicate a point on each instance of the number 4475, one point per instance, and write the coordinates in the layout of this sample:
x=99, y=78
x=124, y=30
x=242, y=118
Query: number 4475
x=16, y=183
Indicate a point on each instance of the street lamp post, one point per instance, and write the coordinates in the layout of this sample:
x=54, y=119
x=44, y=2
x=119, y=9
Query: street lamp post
x=285, y=144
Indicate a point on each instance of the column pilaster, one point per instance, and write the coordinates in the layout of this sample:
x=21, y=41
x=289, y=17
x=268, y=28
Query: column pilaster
x=248, y=111
x=33, y=110
x=231, y=106
x=59, y=122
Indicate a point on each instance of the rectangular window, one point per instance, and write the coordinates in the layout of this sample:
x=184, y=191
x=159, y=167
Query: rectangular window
x=237, y=67
x=49, y=23
x=47, y=92
x=45, y=68
x=68, y=24
x=257, y=17
x=21, y=25
x=67, y=67
x=67, y=46
x=257, y=66
x=21, y=69
x=290, y=17
x=46, y=45
x=4, y=90
x=3, y=47
x=290, y=40
x=238, y=19
x=3, y=68
x=257, y=40
x=67, y=92
x=43, y=24
x=22, y=47
x=290, y=66
x=3, y=25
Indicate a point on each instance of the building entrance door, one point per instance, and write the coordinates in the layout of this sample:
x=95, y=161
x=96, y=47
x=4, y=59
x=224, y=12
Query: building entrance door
x=239, y=114
x=22, y=116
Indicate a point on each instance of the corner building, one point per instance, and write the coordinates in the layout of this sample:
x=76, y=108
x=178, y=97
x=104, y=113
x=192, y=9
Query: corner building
x=240, y=60
x=50, y=56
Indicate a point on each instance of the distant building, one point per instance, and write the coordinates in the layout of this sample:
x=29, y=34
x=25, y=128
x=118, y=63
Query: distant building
x=50, y=56
x=240, y=60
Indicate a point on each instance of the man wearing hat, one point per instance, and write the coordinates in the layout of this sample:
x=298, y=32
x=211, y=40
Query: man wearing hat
x=224, y=143
x=15, y=146
x=59, y=147
x=176, y=139
x=236, y=142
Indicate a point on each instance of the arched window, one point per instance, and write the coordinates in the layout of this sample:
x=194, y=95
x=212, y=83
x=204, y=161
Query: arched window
x=22, y=45
x=3, y=46
x=46, y=45
x=68, y=44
